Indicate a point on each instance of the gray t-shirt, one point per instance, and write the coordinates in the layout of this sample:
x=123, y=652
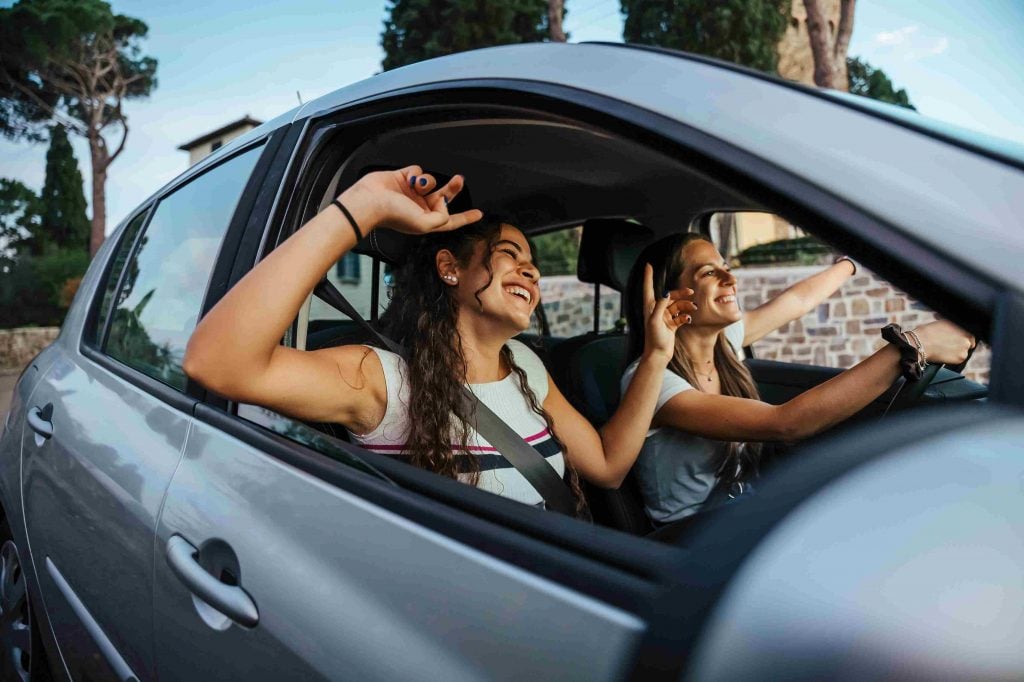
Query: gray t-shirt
x=675, y=469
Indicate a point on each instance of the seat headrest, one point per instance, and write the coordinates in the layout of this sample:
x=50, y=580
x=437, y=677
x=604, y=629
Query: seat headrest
x=608, y=249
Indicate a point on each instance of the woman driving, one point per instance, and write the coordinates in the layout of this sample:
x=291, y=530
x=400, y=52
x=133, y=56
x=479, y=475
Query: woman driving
x=709, y=420
x=468, y=287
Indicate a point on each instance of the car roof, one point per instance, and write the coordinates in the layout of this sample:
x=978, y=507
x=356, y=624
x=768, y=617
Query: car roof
x=942, y=190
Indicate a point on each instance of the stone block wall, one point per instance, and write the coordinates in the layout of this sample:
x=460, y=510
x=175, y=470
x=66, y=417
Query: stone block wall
x=18, y=346
x=840, y=332
x=843, y=330
x=569, y=305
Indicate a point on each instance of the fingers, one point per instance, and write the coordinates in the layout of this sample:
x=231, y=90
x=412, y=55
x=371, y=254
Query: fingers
x=649, y=304
x=422, y=184
x=440, y=199
x=462, y=219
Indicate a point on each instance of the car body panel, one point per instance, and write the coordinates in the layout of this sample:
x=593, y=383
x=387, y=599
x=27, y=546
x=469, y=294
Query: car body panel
x=347, y=589
x=909, y=567
x=91, y=497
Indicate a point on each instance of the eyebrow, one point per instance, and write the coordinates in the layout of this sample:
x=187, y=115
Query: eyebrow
x=511, y=243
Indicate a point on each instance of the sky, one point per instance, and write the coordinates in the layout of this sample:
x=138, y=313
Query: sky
x=220, y=60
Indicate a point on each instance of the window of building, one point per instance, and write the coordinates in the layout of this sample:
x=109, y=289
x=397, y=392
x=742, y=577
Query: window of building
x=347, y=269
x=162, y=290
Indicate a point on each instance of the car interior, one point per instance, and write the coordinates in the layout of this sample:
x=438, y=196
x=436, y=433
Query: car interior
x=548, y=174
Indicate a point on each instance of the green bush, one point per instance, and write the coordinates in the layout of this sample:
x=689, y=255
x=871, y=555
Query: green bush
x=798, y=251
x=33, y=291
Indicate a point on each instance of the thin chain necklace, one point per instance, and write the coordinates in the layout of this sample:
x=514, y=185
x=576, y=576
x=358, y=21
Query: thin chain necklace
x=708, y=375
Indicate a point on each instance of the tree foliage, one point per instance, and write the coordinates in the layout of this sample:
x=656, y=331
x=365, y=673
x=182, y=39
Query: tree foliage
x=743, y=32
x=421, y=29
x=63, y=221
x=74, y=62
x=19, y=220
x=871, y=82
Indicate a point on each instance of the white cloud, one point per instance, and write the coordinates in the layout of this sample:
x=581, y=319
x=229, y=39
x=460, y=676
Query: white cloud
x=897, y=37
x=938, y=47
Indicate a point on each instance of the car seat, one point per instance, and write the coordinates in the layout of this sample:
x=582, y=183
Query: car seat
x=588, y=367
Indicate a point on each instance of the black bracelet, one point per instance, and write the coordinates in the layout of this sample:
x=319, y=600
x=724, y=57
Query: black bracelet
x=351, y=220
x=910, y=359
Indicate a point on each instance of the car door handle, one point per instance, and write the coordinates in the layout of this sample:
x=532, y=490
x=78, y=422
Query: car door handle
x=231, y=600
x=39, y=420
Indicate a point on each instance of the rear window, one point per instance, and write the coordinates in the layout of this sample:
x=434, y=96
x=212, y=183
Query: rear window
x=163, y=286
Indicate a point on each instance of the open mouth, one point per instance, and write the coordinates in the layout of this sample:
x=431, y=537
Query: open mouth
x=520, y=292
x=728, y=298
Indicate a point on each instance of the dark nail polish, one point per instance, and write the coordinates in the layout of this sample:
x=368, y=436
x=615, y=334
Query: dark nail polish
x=665, y=293
x=445, y=200
x=412, y=181
x=423, y=182
x=689, y=319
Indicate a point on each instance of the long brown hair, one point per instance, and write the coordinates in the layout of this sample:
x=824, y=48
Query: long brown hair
x=737, y=460
x=422, y=317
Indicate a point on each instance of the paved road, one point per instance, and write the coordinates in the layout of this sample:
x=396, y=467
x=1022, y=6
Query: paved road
x=7, y=380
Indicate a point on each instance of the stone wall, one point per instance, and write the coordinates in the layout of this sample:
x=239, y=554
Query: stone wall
x=840, y=332
x=843, y=330
x=18, y=346
x=569, y=305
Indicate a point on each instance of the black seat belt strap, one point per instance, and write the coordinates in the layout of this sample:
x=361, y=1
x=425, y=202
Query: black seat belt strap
x=520, y=454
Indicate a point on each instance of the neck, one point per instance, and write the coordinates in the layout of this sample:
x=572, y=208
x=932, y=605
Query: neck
x=481, y=347
x=699, y=344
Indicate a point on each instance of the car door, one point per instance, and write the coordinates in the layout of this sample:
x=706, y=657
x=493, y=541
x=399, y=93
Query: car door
x=108, y=423
x=285, y=554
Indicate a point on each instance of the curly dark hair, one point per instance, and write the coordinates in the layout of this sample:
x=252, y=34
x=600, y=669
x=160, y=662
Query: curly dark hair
x=736, y=461
x=422, y=318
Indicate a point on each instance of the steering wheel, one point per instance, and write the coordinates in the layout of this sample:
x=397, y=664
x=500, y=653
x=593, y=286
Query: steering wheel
x=911, y=392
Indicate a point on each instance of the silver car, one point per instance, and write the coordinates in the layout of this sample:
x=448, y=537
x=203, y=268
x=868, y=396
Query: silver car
x=154, y=530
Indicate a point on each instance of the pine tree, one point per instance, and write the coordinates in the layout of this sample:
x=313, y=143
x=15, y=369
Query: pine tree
x=421, y=29
x=743, y=32
x=64, y=222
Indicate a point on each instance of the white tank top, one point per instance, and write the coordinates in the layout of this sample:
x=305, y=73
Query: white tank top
x=505, y=400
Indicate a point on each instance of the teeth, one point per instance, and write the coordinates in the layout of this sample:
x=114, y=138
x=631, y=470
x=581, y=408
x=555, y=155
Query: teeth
x=726, y=299
x=521, y=292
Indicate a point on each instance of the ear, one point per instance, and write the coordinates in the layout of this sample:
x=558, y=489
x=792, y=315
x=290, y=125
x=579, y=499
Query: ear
x=447, y=266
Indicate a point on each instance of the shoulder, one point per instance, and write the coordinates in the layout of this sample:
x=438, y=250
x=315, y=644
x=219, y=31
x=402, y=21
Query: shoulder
x=671, y=383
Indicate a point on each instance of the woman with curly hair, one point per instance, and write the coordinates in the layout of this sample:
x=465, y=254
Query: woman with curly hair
x=467, y=288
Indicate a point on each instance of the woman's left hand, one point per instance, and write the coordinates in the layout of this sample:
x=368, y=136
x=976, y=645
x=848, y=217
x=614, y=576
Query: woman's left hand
x=664, y=317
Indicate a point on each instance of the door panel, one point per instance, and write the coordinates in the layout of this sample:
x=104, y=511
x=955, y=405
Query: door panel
x=92, y=492
x=346, y=589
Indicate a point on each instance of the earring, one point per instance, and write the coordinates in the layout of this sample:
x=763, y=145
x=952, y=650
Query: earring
x=451, y=279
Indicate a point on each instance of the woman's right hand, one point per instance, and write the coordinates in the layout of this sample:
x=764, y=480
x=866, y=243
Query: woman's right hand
x=405, y=200
x=944, y=342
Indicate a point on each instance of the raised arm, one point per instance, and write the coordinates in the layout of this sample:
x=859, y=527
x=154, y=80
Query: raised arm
x=795, y=302
x=605, y=458
x=740, y=419
x=236, y=349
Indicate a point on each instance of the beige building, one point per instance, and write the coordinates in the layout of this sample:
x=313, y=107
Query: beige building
x=203, y=146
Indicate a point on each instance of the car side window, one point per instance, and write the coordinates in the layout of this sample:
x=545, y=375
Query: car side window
x=162, y=290
x=114, y=273
x=768, y=254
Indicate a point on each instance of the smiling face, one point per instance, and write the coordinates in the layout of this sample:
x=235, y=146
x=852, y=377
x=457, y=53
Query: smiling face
x=506, y=294
x=707, y=273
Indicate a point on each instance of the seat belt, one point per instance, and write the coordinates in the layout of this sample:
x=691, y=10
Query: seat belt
x=520, y=454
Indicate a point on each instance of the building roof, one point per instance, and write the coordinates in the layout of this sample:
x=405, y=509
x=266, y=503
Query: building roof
x=246, y=120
